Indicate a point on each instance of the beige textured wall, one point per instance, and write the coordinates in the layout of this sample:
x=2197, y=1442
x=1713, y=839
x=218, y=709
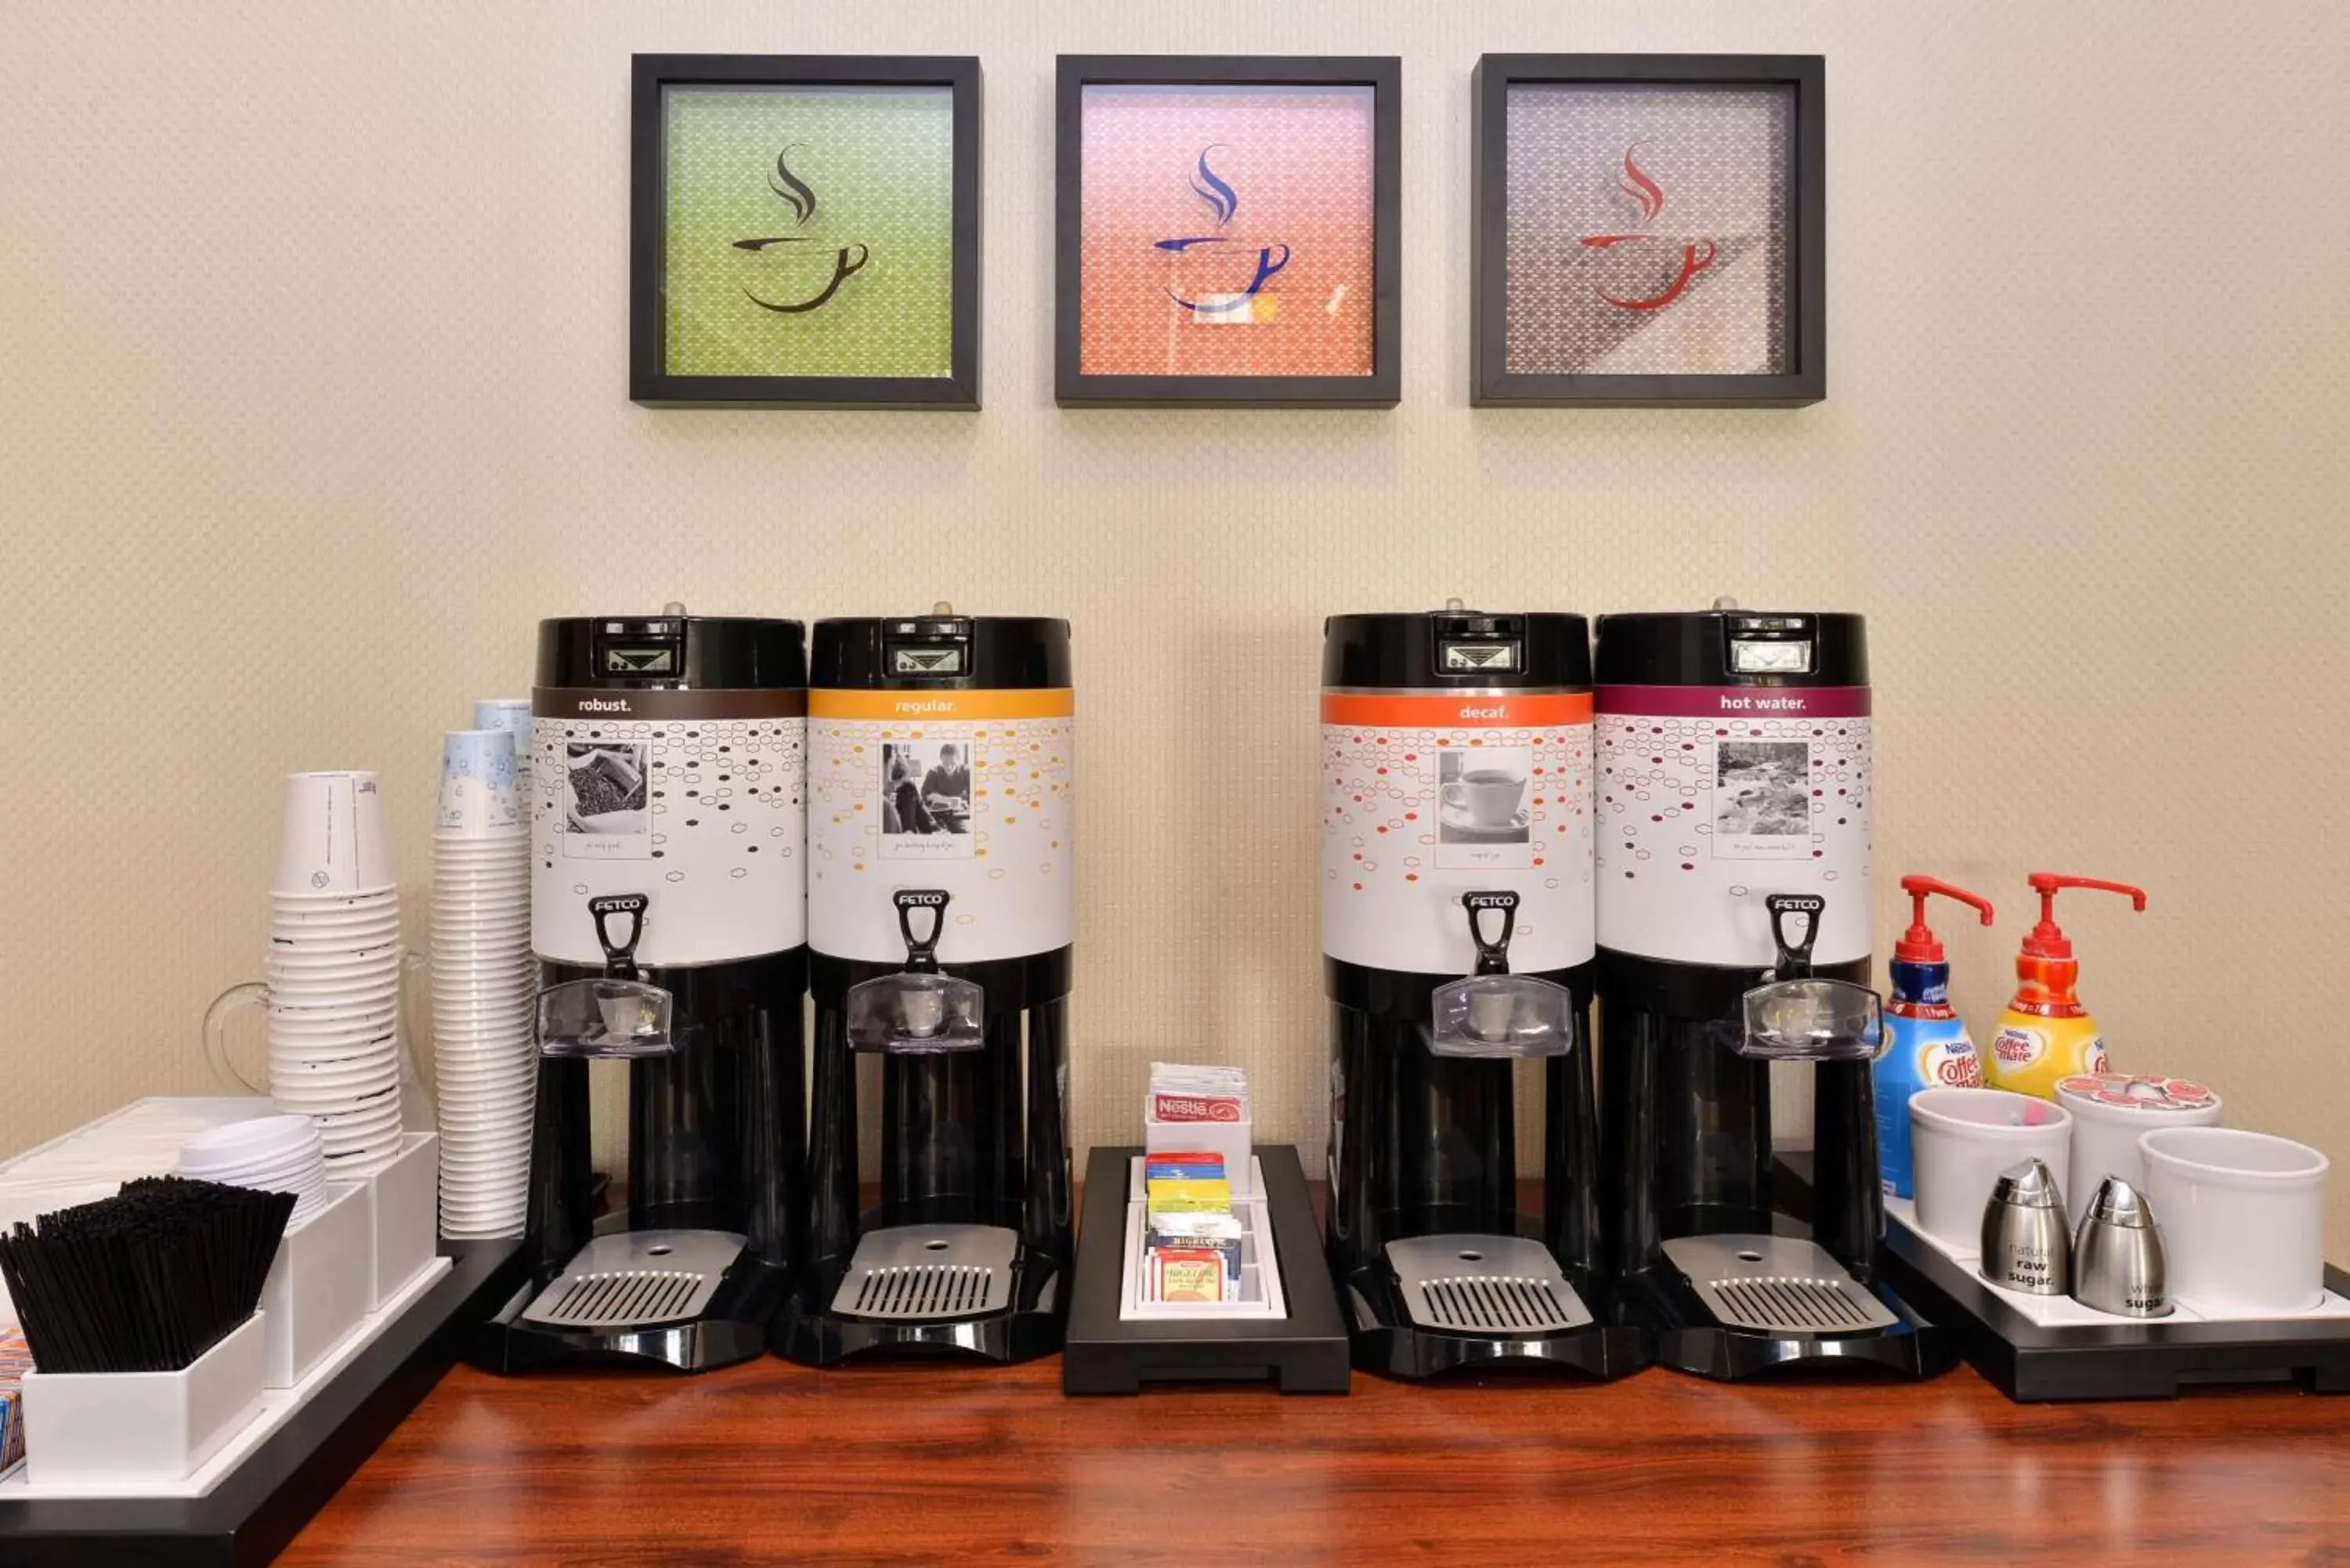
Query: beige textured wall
x=312, y=400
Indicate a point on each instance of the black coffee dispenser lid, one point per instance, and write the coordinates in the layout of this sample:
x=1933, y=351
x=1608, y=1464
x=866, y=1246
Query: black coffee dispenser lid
x=672, y=648
x=942, y=651
x=1726, y=646
x=1456, y=648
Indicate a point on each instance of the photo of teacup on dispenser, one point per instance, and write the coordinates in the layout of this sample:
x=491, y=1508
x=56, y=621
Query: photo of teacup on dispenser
x=1480, y=804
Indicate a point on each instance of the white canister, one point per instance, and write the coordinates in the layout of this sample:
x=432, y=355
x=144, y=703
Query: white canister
x=2243, y=1217
x=2110, y=1112
x=1963, y=1138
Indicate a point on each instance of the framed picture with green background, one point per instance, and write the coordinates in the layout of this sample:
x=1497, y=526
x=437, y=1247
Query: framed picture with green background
x=805, y=232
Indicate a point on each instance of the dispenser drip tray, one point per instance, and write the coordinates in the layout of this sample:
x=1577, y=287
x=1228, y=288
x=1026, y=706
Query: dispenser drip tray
x=929, y=1272
x=1776, y=1284
x=636, y=1279
x=1468, y=1283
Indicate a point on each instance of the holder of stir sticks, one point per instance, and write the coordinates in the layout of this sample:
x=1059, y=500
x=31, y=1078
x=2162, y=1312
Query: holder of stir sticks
x=130, y=1427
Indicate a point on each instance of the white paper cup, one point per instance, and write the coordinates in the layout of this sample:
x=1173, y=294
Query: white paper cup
x=2106, y=1135
x=2243, y=1217
x=477, y=783
x=1962, y=1139
x=332, y=839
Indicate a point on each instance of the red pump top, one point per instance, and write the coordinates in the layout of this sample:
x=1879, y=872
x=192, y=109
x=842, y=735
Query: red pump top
x=2045, y=940
x=1917, y=944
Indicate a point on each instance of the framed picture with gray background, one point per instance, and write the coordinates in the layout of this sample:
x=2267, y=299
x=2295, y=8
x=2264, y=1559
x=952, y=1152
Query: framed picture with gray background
x=804, y=231
x=1648, y=229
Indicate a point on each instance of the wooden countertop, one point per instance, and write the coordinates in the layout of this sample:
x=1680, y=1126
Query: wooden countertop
x=928, y=1460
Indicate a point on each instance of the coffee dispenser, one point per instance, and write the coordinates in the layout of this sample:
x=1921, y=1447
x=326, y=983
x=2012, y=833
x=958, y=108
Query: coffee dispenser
x=668, y=914
x=1734, y=797
x=940, y=916
x=1457, y=949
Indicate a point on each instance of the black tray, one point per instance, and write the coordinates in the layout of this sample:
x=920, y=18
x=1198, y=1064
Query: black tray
x=1306, y=1352
x=261, y=1505
x=2031, y=1362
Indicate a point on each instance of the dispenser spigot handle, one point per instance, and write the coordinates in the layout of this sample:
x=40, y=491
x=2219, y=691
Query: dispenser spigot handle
x=1492, y=957
x=620, y=952
x=922, y=952
x=1794, y=957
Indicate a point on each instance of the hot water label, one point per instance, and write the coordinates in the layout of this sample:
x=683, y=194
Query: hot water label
x=694, y=799
x=1712, y=798
x=1429, y=797
x=970, y=792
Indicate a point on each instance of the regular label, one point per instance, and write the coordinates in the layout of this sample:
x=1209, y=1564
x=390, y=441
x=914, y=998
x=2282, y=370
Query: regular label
x=972, y=794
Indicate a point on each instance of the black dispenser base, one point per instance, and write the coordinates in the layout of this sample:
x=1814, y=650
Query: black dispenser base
x=815, y=1336
x=1603, y=1352
x=733, y=1331
x=1690, y=1339
x=1385, y=1340
x=1304, y=1352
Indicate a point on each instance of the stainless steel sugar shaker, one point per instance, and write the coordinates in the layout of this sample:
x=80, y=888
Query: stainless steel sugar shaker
x=2025, y=1246
x=2117, y=1256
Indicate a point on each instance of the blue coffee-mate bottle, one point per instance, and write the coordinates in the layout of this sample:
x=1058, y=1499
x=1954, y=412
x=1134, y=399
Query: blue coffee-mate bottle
x=1927, y=1045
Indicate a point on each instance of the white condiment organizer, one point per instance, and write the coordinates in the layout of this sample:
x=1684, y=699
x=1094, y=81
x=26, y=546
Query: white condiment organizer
x=371, y=1229
x=150, y=1429
x=2064, y=1311
x=319, y=1285
x=403, y=1216
x=1261, y=1295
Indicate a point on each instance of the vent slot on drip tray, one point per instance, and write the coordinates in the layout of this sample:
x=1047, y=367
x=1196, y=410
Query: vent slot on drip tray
x=1774, y=1284
x=929, y=1273
x=1466, y=1284
x=637, y=1279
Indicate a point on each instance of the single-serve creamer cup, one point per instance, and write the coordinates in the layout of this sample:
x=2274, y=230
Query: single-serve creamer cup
x=477, y=783
x=333, y=838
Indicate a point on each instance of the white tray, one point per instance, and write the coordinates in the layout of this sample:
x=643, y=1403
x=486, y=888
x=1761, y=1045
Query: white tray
x=277, y=1407
x=395, y=1213
x=2064, y=1311
x=1261, y=1294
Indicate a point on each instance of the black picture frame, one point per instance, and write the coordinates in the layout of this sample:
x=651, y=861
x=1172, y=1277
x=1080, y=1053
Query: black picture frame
x=1381, y=388
x=650, y=381
x=1490, y=383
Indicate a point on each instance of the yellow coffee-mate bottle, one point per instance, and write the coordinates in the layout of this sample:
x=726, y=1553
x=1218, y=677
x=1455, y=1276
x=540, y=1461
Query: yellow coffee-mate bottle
x=2045, y=1034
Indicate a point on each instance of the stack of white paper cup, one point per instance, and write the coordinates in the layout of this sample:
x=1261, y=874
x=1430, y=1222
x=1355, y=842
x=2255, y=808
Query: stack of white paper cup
x=484, y=983
x=334, y=974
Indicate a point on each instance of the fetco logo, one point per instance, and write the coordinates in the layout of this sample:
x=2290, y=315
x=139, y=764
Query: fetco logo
x=603, y=704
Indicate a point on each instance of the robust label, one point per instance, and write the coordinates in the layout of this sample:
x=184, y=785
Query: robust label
x=1429, y=799
x=1713, y=798
x=972, y=793
x=695, y=800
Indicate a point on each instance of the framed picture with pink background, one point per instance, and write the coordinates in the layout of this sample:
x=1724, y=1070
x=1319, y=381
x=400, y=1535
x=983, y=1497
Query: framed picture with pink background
x=1229, y=231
